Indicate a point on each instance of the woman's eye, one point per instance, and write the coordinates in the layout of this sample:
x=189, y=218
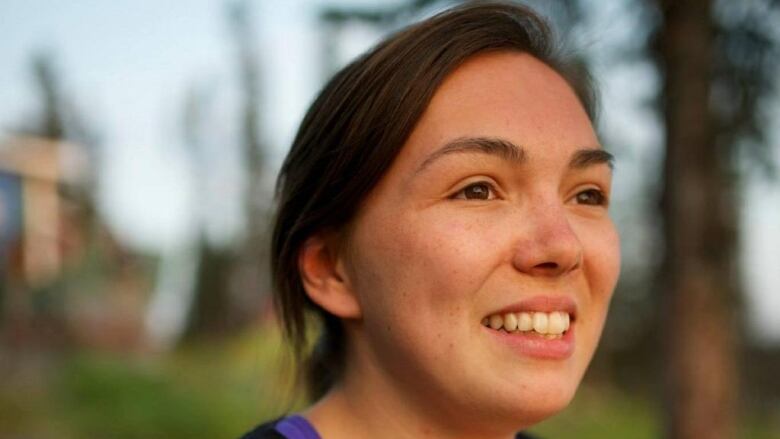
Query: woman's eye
x=592, y=197
x=476, y=191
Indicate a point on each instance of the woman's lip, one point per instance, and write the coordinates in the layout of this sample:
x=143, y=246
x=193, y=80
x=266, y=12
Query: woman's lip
x=541, y=303
x=536, y=346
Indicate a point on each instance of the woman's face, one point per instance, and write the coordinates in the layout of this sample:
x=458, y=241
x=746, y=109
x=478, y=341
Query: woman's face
x=496, y=205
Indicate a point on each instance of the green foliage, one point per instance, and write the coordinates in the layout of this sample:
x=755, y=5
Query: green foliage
x=199, y=391
x=107, y=397
x=599, y=412
x=221, y=390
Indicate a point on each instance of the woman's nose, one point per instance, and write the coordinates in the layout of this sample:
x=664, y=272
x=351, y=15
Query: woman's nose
x=548, y=245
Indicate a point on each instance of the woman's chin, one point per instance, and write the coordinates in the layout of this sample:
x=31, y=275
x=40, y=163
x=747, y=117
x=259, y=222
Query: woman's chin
x=542, y=409
x=514, y=407
x=536, y=403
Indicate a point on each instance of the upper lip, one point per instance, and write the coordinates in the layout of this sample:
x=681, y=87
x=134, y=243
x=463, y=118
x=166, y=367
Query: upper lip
x=541, y=303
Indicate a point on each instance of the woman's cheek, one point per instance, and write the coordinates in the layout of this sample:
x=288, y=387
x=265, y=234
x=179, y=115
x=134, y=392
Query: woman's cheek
x=426, y=264
x=606, y=258
x=462, y=247
x=601, y=253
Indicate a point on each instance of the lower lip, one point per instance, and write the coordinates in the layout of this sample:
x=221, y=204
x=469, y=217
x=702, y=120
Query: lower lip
x=536, y=346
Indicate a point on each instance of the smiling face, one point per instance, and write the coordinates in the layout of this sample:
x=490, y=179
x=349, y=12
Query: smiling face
x=496, y=205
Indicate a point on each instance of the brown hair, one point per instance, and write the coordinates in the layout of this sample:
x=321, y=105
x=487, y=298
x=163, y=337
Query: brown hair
x=355, y=129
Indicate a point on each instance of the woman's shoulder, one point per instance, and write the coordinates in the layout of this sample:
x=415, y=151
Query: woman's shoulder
x=264, y=431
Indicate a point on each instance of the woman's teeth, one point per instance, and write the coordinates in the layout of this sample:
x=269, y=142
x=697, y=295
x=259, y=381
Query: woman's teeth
x=551, y=325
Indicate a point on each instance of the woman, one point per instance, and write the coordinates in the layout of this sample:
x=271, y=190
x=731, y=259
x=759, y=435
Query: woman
x=443, y=211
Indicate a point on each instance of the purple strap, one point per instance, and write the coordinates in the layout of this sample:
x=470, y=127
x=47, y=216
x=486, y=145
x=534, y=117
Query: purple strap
x=296, y=427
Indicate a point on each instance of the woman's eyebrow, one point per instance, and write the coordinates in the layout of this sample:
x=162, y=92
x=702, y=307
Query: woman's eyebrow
x=502, y=148
x=589, y=157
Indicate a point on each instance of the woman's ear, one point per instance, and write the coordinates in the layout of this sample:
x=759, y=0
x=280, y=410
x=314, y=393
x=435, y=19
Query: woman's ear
x=324, y=278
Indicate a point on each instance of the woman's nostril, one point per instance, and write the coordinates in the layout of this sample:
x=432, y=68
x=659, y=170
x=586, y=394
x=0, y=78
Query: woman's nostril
x=552, y=268
x=548, y=266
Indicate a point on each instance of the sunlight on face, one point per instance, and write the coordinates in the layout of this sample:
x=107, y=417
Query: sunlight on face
x=496, y=204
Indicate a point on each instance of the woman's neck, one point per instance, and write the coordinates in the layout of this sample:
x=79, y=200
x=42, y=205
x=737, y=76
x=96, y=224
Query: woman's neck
x=369, y=407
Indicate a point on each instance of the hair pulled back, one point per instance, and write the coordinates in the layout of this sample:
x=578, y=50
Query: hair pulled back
x=354, y=130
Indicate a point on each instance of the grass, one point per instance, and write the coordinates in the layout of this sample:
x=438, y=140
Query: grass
x=203, y=391
x=112, y=398
x=599, y=412
x=222, y=390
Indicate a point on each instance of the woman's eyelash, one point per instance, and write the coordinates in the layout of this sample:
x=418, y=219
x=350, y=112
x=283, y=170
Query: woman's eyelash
x=592, y=197
x=483, y=190
x=480, y=190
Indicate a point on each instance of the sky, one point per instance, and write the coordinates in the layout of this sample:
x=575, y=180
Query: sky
x=129, y=66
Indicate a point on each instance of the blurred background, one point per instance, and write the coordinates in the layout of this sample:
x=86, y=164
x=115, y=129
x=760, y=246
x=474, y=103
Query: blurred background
x=139, y=142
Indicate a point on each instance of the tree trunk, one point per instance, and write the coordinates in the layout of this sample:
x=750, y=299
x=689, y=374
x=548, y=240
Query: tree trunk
x=699, y=209
x=210, y=315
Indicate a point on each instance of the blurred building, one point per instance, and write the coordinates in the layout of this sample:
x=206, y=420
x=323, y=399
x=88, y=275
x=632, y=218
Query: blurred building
x=65, y=278
x=36, y=231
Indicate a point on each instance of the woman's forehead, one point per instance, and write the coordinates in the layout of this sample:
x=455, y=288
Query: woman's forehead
x=505, y=95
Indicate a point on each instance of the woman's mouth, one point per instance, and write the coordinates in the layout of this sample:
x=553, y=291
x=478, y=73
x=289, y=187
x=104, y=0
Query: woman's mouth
x=550, y=325
x=540, y=327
